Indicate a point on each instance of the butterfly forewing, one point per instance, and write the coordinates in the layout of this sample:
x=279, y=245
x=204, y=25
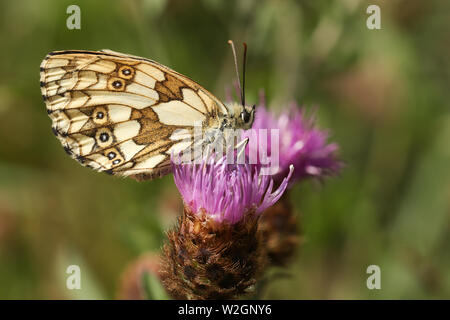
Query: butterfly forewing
x=123, y=114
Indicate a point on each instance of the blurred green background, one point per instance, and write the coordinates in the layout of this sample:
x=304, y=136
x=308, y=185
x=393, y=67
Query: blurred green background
x=383, y=94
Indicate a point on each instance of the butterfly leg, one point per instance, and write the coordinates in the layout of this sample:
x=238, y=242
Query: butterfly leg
x=241, y=147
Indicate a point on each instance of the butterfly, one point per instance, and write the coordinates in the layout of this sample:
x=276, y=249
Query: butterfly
x=125, y=115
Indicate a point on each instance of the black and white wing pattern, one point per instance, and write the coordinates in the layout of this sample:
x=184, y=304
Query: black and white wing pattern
x=122, y=114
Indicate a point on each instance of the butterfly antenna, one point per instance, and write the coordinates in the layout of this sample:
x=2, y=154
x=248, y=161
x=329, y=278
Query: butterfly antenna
x=231, y=43
x=243, y=74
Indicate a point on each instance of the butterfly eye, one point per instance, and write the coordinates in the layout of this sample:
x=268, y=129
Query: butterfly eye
x=245, y=116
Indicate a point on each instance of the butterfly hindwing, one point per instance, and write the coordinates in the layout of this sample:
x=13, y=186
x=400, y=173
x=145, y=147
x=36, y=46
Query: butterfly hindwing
x=122, y=114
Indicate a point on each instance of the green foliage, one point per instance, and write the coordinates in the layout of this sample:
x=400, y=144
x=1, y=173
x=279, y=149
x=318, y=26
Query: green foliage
x=153, y=287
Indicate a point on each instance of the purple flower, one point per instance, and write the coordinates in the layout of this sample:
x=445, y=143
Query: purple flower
x=226, y=191
x=301, y=143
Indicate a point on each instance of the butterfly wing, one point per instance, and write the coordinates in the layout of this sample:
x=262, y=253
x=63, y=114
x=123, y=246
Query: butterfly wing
x=122, y=114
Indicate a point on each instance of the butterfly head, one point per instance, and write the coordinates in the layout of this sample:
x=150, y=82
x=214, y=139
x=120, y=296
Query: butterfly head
x=240, y=117
x=242, y=114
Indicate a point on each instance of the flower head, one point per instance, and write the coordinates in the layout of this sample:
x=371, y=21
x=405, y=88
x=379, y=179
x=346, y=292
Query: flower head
x=215, y=251
x=301, y=143
x=226, y=191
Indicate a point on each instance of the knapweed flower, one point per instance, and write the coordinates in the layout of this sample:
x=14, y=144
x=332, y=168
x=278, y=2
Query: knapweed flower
x=215, y=251
x=301, y=143
x=226, y=192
